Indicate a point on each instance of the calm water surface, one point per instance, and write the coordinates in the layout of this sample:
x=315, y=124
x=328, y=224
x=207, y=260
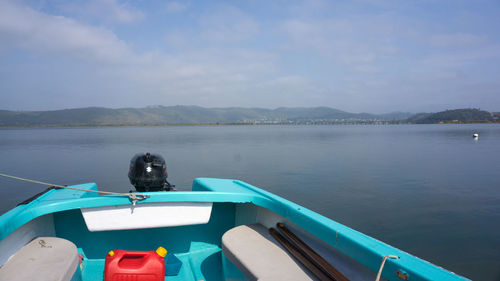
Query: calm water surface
x=431, y=190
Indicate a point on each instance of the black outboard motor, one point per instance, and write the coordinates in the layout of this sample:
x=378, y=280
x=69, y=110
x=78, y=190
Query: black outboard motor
x=148, y=172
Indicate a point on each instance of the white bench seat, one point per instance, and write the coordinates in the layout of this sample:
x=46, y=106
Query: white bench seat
x=259, y=256
x=43, y=259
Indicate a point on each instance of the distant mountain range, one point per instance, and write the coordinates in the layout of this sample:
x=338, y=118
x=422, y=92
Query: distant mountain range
x=163, y=115
x=158, y=115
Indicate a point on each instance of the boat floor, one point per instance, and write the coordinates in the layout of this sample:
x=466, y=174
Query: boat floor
x=202, y=262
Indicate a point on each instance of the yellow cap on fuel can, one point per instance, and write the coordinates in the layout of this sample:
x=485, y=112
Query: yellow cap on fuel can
x=111, y=253
x=162, y=252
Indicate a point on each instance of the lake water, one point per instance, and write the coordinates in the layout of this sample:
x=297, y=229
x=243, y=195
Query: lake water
x=431, y=190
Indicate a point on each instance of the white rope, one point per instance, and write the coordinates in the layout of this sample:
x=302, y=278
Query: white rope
x=382, y=265
x=133, y=197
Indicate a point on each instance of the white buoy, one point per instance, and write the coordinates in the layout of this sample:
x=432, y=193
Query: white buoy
x=475, y=136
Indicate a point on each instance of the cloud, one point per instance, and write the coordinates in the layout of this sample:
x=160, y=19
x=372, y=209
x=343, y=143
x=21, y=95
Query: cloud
x=183, y=78
x=456, y=60
x=23, y=27
x=359, y=45
x=228, y=24
x=458, y=40
x=106, y=10
x=317, y=53
x=218, y=26
x=177, y=6
x=384, y=42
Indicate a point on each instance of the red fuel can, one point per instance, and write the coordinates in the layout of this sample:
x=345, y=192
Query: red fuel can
x=124, y=265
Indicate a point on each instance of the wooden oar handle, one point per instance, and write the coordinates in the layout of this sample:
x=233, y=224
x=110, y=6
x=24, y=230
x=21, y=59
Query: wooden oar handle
x=298, y=255
x=314, y=257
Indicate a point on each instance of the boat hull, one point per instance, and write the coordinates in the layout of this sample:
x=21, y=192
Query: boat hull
x=195, y=241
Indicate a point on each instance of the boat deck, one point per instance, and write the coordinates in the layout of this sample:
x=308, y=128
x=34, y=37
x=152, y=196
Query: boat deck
x=203, y=262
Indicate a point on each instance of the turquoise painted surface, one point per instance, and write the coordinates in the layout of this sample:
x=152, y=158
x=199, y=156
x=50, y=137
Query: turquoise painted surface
x=231, y=272
x=47, y=203
x=203, y=262
x=69, y=224
x=197, y=246
x=177, y=240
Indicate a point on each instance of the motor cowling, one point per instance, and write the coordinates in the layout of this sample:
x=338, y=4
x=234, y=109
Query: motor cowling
x=148, y=172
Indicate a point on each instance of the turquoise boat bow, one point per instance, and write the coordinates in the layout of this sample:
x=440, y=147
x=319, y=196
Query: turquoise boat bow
x=203, y=229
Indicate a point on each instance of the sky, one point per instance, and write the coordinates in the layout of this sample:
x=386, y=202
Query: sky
x=358, y=56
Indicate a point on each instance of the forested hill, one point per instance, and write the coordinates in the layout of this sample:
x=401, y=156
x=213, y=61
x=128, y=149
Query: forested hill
x=157, y=115
x=468, y=115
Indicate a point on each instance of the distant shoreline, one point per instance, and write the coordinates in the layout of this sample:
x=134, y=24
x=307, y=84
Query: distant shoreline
x=242, y=124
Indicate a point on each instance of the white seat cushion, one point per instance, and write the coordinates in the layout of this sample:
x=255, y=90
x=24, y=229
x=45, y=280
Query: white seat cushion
x=43, y=259
x=259, y=256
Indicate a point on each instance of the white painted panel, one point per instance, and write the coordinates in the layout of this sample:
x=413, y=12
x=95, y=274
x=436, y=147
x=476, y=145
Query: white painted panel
x=147, y=215
x=41, y=226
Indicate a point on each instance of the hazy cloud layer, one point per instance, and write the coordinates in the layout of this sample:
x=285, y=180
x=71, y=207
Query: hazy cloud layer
x=110, y=11
x=356, y=56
